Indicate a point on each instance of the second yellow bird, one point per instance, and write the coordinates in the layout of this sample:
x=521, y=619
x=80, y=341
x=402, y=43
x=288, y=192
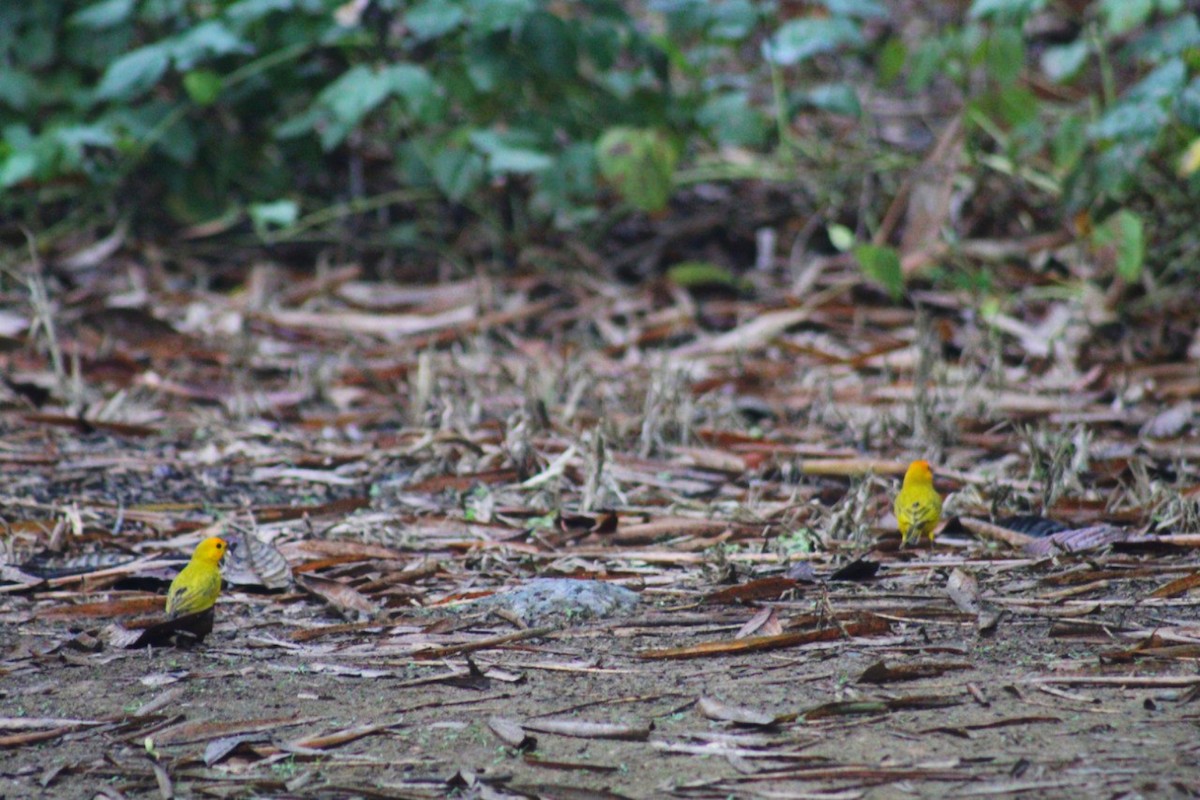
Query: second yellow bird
x=918, y=506
x=197, y=585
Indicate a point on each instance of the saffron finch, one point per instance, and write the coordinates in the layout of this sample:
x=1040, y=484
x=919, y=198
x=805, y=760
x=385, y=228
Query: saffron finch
x=918, y=506
x=197, y=585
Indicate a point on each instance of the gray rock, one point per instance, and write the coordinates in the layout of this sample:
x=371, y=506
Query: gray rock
x=559, y=601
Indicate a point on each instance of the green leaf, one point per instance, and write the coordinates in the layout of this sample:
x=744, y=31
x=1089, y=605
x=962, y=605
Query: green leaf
x=890, y=63
x=350, y=98
x=1187, y=104
x=702, y=275
x=1063, y=62
x=17, y=88
x=1129, y=238
x=416, y=87
x=203, y=86
x=1133, y=121
x=433, y=18
x=882, y=265
x=1016, y=105
x=801, y=39
x=1122, y=16
x=244, y=12
x=863, y=9
x=1163, y=83
x=838, y=98
x=641, y=163
x=209, y=39
x=490, y=16
x=1173, y=37
x=1006, y=55
x=458, y=172
x=511, y=151
x=1007, y=10
x=733, y=20
x=277, y=214
x=19, y=166
x=928, y=62
x=105, y=14
x=1069, y=143
x=841, y=237
x=550, y=44
x=134, y=73
x=732, y=120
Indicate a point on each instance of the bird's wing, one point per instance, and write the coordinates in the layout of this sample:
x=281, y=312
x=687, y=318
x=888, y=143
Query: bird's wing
x=193, y=595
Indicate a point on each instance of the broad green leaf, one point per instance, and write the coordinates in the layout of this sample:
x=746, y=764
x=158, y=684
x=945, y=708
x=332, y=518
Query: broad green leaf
x=732, y=120
x=1131, y=242
x=890, y=62
x=1122, y=16
x=350, y=98
x=863, y=9
x=838, y=98
x=203, y=86
x=17, y=88
x=1010, y=10
x=276, y=214
x=801, y=39
x=1164, y=82
x=550, y=45
x=489, y=16
x=104, y=14
x=640, y=162
x=433, y=18
x=209, y=39
x=928, y=62
x=511, y=151
x=19, y=166
x=1134, y=121
x=1006, y=55
x=415, y=86
x=1063, y=62
x=245, y=12
x=1187, y=104
x=133, y=73
x=1069, y=142
x=882, y=265
x=733, y=20
x=1174, y=37
x=80, y=136
x=458, y=172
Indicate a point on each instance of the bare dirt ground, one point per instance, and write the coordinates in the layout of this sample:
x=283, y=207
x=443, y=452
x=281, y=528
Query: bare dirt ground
x=405, y=449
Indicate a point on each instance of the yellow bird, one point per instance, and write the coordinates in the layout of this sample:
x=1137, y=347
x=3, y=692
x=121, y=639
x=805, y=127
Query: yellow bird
x=197, y=585
x=918, y=506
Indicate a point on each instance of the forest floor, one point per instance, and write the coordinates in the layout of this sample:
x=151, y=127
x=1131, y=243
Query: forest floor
x=385, y=452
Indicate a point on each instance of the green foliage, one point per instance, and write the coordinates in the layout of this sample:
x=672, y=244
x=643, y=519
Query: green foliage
x=227, y=107
x=533, y=113
x=882, y=265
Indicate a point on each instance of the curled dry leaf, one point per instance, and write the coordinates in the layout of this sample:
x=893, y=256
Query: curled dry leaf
x=881, y=672
x=346, y=600
x=963, y=589
x=740, y=715
x=764, y=623
x=1170, y=423
x=256, y=563
x=511, y=733
x=591, y=730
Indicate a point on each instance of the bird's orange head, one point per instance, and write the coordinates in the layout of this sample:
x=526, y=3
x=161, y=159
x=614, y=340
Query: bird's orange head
x=210, y=550
x=919, y=472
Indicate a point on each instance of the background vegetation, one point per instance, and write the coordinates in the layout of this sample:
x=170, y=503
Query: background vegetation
x=463, y=131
